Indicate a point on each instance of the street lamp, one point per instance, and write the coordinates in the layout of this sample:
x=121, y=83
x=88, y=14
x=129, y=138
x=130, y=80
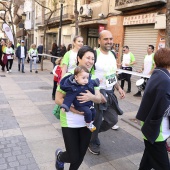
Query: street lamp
x=23, y=19
x=60, y=26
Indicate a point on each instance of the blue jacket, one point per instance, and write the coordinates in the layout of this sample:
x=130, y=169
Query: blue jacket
x=72, y=89
x=18, y=51
x=155, y=103
x=40, y=49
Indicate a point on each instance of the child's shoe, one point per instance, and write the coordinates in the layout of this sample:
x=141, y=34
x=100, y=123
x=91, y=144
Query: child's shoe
x=91, y=127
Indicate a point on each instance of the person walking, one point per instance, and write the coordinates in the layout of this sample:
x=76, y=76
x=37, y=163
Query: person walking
x=21, y=53
x=70, y=58
x=54, y=53
x=107, y=111
x=154, y=114
x=33, y=56
x=18, y=43
x=75, y=134
x=40, y=51
x=63, y=50
x=1, y=53
x=2, y=49
x=127, y=63
x=57, y=76
x=9, y=54
x=148, y=66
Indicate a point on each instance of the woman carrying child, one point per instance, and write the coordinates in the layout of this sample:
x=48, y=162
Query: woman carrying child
x=75, y=133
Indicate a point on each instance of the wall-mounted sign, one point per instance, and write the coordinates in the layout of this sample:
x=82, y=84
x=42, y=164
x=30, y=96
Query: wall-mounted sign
x=139, y=19
x=101, y=28
x=113, y=21
x=93, y=32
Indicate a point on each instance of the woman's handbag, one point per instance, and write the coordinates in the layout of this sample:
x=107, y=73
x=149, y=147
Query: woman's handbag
x=56, y=111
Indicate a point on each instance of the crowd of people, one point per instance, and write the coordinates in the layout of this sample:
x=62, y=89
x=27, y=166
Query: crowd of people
x=77, y=135
x=84, y=87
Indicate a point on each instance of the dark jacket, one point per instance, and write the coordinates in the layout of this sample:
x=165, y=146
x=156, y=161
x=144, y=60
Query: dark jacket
x=18, y=51
x=54, y=53
x=111, y=100
x=72, y=89
x=155, y=103
x=40, y=49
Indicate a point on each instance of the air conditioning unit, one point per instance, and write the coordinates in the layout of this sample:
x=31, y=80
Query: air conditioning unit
x=85, y=11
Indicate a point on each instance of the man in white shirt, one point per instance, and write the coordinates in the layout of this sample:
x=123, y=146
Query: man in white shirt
x=21, y=53
x=148, y=66
x=127, y=63
x=106, y=112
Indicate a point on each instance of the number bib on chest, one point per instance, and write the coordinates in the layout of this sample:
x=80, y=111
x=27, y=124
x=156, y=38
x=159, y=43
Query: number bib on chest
x=111, y=80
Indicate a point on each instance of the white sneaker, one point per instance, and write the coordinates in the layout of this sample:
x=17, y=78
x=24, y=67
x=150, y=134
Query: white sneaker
x=10, y=71
x=115, y=127
x=91, y=127
x=7, y=72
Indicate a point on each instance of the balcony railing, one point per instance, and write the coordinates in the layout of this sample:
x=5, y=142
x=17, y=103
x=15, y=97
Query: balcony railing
x=67, y=14
x=39, y=21
x=123, y=5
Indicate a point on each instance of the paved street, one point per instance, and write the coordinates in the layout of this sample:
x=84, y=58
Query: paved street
x=30, y=134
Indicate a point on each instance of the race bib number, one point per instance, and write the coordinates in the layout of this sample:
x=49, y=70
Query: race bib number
x=111, y=80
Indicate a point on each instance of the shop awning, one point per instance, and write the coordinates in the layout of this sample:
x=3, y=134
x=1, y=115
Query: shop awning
x=94, y=22
x=52, y=30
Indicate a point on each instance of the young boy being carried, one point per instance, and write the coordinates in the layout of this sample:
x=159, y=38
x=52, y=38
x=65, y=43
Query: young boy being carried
x=73, y=85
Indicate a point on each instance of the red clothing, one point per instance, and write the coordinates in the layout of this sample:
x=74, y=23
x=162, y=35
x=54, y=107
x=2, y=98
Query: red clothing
x=58, y=71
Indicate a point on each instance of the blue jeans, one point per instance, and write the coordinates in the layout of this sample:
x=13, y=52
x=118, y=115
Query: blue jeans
x=33, y=61
x=21, y=61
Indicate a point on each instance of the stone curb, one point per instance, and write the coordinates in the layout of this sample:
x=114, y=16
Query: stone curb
x=131, y=123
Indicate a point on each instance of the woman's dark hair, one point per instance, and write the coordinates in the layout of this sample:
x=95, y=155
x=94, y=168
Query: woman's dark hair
x=151, y=46
x=69, y=47
x=54, y=46
x=162, y=58
x=83, y=50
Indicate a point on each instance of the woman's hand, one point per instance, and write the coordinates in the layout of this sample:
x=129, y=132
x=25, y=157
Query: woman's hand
x=85, y=97
x=103, y=99
x=122, y=93
x=72, y=109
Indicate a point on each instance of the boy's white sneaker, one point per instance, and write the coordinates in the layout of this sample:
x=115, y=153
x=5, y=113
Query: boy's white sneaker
x=91, y=127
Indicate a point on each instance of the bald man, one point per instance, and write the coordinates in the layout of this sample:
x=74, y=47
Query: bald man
x=106, y=112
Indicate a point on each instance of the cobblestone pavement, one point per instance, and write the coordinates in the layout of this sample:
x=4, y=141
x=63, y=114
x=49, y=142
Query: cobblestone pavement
x=30, y=134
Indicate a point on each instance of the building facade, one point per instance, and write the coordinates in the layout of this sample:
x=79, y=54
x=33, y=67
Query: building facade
x=136, y=23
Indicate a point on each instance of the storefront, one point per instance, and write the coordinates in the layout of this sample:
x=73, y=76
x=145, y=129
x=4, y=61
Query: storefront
x=90, y=31
x=139, y=33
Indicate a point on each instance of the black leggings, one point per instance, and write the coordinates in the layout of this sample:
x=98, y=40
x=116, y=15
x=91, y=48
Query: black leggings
x=9, y=63
x=76, y=143
x=54, y=88
x=155, y=156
